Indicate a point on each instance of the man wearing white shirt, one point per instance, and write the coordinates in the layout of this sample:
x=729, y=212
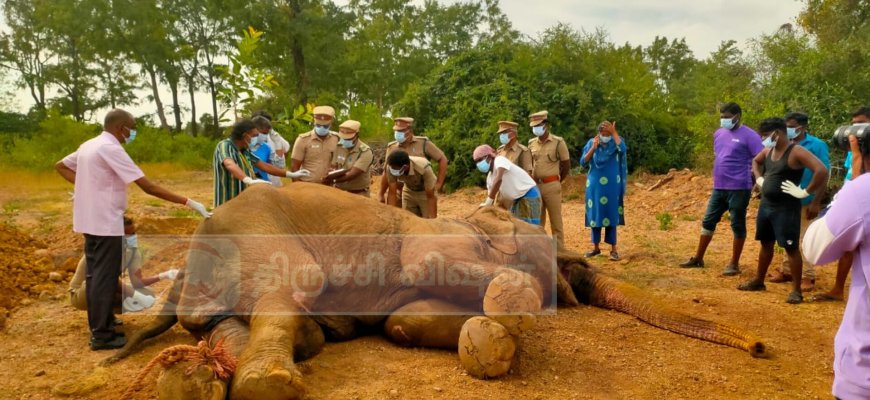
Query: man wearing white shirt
x=511, y=181
x=280, y=147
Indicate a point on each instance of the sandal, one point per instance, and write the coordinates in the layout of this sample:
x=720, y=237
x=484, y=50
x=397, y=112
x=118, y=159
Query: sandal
x=795, y=298
x=823, y=297
x=693, y=263
x=752, y=286
x=592, y=253
x=614, y=256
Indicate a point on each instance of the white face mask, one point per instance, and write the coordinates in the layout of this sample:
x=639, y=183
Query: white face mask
x=395, y=172
x=538, y=130
x=132, y=241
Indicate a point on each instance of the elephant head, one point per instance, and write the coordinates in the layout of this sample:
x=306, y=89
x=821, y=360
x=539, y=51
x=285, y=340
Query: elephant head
x=501, y=229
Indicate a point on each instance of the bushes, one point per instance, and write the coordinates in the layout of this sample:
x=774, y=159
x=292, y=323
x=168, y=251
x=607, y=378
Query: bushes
x=56, y=136
x=581, y=79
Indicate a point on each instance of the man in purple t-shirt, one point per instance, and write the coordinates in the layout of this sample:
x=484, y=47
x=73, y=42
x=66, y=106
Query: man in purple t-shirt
x=844, y=229
x=734, y=147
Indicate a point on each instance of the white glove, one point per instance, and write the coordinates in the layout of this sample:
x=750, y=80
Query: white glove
x=137, y=302
x=759, y=181
x=170, y=274
x=302, y=173
x=487, y=203
x=198, y=207
x=251, y=181
x=794, y=190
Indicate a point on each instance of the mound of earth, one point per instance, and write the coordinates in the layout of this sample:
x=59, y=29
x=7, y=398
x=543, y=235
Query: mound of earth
x=25, y=265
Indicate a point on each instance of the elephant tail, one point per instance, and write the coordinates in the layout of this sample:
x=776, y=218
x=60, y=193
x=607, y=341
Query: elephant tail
x=605, y=292
x=164, y=320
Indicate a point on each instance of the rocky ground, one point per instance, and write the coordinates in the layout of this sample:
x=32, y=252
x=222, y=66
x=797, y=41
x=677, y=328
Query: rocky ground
x=580, y=352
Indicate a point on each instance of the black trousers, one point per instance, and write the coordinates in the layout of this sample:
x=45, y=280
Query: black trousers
x=103, y=255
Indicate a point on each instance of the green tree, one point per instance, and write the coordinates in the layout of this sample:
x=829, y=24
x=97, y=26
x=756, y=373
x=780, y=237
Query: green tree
x=25, y=48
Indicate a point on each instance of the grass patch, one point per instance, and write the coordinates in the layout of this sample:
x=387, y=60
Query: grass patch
x=574, y=195
x=183, y=213
x=666, y=221
x=12, y=206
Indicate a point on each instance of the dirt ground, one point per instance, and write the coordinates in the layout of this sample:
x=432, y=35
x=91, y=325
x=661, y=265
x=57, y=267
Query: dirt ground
x=582, y=352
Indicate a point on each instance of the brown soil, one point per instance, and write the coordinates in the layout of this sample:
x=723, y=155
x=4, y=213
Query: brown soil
x=581, y=352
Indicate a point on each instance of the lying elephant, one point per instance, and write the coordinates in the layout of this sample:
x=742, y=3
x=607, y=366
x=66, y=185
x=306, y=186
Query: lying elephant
x=475, y=284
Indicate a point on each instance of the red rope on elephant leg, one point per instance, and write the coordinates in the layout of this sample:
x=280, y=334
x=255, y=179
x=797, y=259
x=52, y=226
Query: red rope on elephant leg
x=218, y=359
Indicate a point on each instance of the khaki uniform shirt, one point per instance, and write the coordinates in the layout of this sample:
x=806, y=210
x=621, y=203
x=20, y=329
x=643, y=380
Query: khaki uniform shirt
x=519, y=155
x=419, y=178
x=361, y=157
x=420, y=146
x=316, y=153
x=548, y=155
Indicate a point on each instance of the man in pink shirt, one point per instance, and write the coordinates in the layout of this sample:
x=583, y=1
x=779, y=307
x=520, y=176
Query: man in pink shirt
x=101, y=170
x=845, y=230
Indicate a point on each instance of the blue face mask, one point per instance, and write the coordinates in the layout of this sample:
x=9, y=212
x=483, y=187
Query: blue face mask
x=538, y=130
x=605, y=139
x=791, y=133
x=768, y=142
x=395, y=172
x=400, y=136
x=254, y=141
x=504, y=138
x=132, y=136
x=321, y=130
x=346, y=143
x=483, y=166
x=727, y=123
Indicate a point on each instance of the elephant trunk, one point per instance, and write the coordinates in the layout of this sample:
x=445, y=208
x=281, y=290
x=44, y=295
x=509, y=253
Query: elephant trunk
x=164, y=320
x=606, y=292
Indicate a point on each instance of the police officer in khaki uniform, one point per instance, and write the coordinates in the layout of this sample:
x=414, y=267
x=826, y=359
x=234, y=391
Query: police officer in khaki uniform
x=513, y=151
x=551, y=166
x=315, y=149
x=415, y=146
x=415, y=173
x=352, y=163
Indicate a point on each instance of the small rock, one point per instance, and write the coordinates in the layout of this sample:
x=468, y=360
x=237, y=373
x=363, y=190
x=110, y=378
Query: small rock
x=26, y=302
x=524, y=383
x=394, y=392
x=39, y=373
x=437, y=389
x=55, y=276
x=45, y=295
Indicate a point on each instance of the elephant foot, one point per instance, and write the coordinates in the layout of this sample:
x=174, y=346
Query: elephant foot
x=267, y=381
x=175, y=383
x=512, y=299
x=486, y=348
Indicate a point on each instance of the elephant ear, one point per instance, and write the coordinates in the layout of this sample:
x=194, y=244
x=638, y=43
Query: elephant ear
x=498, y=227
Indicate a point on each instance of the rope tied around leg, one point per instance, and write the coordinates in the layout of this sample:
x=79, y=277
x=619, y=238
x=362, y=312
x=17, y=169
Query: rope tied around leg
x=218, y=359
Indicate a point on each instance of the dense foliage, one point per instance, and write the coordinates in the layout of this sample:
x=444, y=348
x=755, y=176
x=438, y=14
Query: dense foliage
x=456, y=67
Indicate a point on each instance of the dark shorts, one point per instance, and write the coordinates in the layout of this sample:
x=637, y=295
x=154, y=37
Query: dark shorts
x=780, y=224
x=733, y=201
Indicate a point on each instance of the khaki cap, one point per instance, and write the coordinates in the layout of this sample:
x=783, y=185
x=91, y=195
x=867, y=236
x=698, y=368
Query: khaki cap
x=402, y=123
x=506, y=125
x=350, y=125
x=537, y=118
x=322, y=111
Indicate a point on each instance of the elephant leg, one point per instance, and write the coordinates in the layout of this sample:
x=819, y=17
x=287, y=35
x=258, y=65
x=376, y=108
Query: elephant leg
x=427, y=323
x=265, y=368
x=487, y=345
x=176, y=383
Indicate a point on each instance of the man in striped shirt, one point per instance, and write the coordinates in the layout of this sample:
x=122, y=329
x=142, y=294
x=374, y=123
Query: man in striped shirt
x=234, y=163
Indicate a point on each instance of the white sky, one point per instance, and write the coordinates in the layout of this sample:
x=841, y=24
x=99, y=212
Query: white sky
x=704, y=24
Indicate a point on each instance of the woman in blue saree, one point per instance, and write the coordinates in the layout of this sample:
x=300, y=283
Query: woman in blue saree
x=605, y=156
